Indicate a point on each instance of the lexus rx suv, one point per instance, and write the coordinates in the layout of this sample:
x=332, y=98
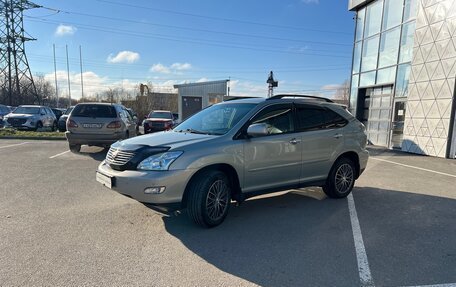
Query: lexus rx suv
x=238, y=149
x=98, y=124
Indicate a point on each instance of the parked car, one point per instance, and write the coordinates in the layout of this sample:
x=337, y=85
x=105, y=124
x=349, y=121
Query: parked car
x=238, y=149
x=57, y=112
x=63, y=119
x=158, y=121
x=31, y=117
x=4, y=110
x=98, y=124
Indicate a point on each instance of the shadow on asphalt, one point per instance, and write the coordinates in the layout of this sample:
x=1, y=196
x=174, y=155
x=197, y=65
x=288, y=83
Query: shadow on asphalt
x=96, y=153
x=287, y=240
x=293, y=240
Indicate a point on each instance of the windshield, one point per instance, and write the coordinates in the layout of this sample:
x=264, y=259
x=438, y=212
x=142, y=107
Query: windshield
x=161, y=115
x=94, y=111
x=215, y=120
x=27, y=110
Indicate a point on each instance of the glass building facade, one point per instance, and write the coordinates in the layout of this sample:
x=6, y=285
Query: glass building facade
x=387, y=73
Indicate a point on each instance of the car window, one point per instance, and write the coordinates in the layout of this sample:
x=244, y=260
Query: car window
x=215, y=120
x=161, y=115
x=27, y=110
x=279, y=119
x=315, y=118
x=68, y=111
x=94, y=111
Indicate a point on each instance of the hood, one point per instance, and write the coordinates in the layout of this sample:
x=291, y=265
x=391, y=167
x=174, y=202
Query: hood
x=169, y=138
x=157, y=120
x=21, y=115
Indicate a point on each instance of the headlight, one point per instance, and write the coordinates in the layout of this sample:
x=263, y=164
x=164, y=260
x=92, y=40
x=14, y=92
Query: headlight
x=160, y=161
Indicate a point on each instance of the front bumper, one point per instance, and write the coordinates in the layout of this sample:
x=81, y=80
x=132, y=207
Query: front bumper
x=29, y=124
x=93, y=139
x=132, y=183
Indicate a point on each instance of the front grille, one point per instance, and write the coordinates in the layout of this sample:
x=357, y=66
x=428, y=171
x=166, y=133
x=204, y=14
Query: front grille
x=16, y=122
x=158, y=125
x=118, y=157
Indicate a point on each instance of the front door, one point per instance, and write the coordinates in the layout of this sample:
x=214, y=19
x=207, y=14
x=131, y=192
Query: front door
x=397, y=130
x=275, y=159
x=190, y=106
x=378, y=127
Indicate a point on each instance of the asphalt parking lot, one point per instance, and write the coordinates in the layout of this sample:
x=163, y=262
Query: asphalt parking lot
x=58, y=226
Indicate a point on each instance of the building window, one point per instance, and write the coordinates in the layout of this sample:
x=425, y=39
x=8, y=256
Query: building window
x=354, y=92
x=392, y=14
x=407, y=40
x=357, y=58
x=370, y=54
x=402, y=81
x=360, y=24
x=410, y=10
x=386, y=76
x=367, y=79
x=373, y=19
x=389, y=47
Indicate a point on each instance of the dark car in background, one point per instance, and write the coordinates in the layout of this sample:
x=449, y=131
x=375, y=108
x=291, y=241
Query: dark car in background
x=158, y=121
x=4, y=110
x=57, y=112
x=63, y=119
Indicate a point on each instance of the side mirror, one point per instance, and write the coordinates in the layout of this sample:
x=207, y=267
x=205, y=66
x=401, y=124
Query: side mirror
x=43, y=114
x=257, y=130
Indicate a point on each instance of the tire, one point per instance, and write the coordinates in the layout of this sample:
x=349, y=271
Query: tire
x=209, y=198
x=341, y=179
x=39, y=125
x=54, y=127
x=76, y=148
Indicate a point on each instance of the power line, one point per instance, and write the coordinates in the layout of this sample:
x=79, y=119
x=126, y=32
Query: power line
x=223, y=19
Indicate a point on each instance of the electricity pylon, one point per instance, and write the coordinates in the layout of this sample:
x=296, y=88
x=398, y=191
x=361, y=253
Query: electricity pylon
x=16, y=81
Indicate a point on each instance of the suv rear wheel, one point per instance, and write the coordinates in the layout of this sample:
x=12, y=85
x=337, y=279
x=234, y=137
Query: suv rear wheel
x=75, y=148
x=209, y=198
x=341, y=179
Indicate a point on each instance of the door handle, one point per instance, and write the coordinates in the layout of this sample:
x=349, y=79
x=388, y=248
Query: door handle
x=294, y=141
x=338, y=136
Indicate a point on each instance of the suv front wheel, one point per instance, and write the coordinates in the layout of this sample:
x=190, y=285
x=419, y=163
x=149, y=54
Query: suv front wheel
x=341, y=179
x=209, y=198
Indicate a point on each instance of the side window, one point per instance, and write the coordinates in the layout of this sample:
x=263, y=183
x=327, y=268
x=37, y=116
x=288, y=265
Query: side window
x=42, y=111
x=278, y=118
x=311, y=118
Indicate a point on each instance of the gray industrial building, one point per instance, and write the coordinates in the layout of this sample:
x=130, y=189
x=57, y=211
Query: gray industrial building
x=194, y=97
x=403, y=74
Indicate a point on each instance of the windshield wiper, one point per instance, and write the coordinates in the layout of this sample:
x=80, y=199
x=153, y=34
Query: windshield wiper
x=193, y=131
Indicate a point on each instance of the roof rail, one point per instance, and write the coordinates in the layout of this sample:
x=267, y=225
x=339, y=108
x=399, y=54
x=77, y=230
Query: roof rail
x=299, y=96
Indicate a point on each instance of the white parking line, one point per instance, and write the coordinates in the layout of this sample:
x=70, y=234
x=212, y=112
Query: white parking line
x=436, y=285
x=365, y=276
x=14, y=145
x=415, y=167
x=54, y=156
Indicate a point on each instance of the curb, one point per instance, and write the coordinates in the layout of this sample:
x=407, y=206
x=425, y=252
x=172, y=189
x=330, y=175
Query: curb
x=32, y=138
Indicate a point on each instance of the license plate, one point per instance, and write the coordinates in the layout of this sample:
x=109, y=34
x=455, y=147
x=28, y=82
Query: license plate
x=104, y=179
x=92, y=126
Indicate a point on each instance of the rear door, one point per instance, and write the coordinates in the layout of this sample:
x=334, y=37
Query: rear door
x=321, y=132
x=275, y=159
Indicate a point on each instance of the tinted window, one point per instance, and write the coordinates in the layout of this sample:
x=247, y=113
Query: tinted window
x=279, y=119
x=68, y=111
x=315, y=118
x=161, y=115
x=94, y=111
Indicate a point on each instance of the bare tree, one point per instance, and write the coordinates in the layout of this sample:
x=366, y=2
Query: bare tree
x=342, y=93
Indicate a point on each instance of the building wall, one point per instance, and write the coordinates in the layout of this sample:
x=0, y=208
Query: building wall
x=428, y=120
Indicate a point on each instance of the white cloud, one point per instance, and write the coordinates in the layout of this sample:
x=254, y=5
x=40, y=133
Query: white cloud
x=331, y=87
x=63, y=30
x=310, y=1
x=159, y=68
x=176, y=68
x=124, y=57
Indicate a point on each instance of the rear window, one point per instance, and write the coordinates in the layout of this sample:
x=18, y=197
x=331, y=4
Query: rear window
x=94, y=111
x=161, y=115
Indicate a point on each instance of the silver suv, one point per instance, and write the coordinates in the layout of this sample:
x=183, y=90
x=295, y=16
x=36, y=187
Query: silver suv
x=31, y=117
x=238, y=149
x=98, y=124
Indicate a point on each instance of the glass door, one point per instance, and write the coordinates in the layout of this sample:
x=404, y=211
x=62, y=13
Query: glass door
x=397, y=130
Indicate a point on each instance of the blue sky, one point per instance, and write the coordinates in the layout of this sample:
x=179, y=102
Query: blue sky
x=307, y=43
